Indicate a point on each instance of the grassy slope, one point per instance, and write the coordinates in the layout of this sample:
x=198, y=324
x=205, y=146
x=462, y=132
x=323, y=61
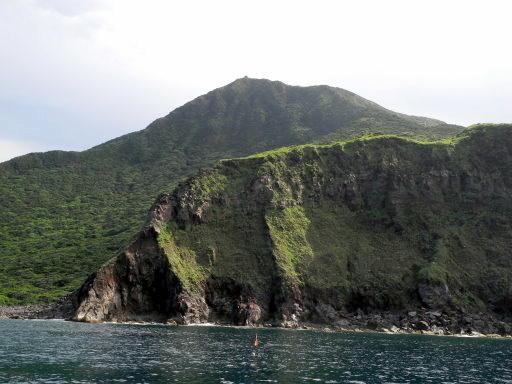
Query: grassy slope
x=65, y=213
x=360, y=223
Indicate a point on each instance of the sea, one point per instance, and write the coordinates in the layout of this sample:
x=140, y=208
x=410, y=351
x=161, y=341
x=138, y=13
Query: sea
x=46, y=351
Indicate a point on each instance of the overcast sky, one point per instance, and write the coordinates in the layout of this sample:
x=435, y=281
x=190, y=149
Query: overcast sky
x=75, y=73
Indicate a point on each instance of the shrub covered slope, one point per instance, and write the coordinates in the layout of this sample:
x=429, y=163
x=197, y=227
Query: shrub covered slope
x=65, y=213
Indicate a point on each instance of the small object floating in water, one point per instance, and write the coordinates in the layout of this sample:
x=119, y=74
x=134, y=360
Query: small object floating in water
x=256, y=342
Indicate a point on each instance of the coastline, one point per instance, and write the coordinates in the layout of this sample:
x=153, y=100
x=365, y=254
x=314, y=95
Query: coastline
x=61, y=309
x=420, y=322
x=316, y=327
x=324, y=328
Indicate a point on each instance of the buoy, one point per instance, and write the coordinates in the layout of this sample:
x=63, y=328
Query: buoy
x=256, y=342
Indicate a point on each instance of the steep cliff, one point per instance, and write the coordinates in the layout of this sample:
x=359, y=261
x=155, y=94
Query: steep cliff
x=312, y=233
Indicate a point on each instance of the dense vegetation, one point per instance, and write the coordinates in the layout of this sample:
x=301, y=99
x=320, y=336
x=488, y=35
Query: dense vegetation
x=66, y=213
x=379, y=223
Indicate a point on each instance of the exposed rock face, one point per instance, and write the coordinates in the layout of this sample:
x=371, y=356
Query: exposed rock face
x=434, y=295
x=327, y=234
x=137, y=285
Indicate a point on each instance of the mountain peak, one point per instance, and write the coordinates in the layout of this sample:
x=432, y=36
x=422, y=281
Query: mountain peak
x=93, y=201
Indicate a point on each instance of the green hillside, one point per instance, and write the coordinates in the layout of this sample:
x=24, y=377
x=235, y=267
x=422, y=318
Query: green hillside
x=65, y=213
x=300, y=234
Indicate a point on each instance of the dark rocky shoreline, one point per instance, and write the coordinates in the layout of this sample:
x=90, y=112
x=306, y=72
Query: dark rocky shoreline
x=61, y=309
x=426, y=321
x=421, y=321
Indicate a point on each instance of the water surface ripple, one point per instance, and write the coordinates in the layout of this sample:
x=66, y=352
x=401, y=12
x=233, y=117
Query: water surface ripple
x=64, y=352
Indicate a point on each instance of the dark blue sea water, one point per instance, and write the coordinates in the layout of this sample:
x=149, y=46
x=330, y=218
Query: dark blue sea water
x=64, y=352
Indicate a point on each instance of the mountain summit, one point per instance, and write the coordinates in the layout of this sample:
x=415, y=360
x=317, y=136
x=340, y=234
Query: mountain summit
x=66, y=213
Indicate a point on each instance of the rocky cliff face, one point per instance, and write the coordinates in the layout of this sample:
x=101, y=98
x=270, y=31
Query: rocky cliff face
x=319, y=233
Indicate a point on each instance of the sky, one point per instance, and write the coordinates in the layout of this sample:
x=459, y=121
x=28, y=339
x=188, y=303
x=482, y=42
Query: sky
x=76, y=73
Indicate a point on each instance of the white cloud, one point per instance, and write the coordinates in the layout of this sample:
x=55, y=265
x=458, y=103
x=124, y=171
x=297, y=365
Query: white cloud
x=69, y=8
x=11, y=148
x=93, y=70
